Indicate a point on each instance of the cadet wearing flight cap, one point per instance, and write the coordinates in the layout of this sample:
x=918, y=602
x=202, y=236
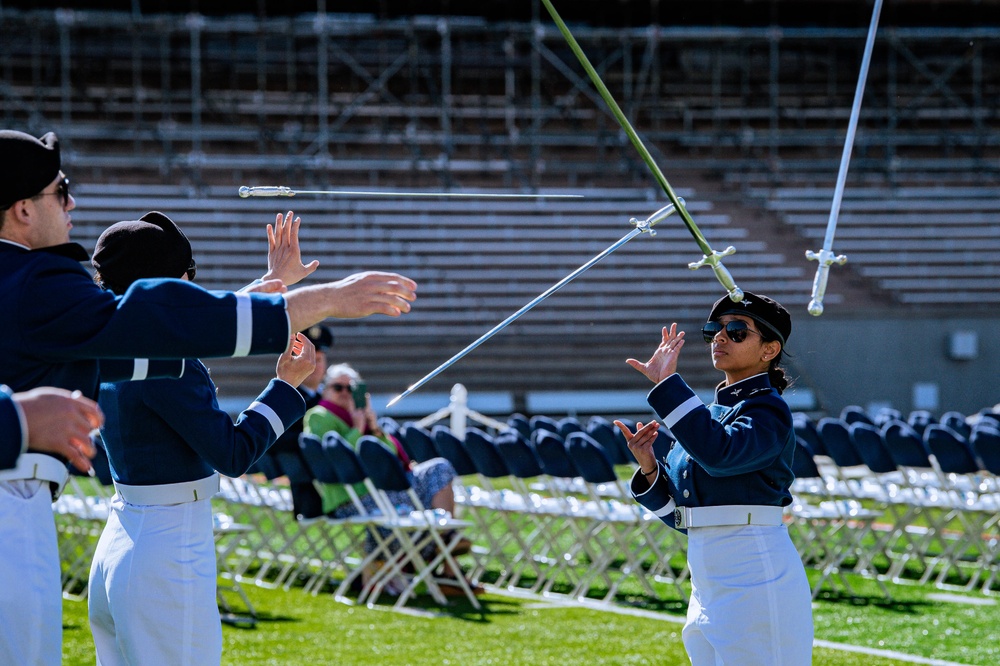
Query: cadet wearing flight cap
x=166, y=439
x=724, y=482
x=57, y=323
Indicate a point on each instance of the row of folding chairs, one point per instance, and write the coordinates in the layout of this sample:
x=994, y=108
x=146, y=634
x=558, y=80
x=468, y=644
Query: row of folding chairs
x=554, y=515
x=407, y=550
x=934, y=492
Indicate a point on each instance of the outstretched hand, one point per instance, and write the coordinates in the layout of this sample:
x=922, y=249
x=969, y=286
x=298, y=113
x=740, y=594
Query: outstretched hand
x=298, y=361
x=663, y=362
x=640, y=442
x=284, y=258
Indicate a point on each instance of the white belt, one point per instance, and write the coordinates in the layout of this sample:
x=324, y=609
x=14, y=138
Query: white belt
x=686, y=517
x=170, y=493
x=39, y=466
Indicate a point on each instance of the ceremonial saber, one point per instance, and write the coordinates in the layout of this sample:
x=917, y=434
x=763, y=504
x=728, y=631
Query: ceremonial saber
x=711, y=257
x=283, y=191
x=825, y=256
x=641, y=226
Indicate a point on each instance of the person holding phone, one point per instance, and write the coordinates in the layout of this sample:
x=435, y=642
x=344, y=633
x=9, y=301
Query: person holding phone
x=345, y=408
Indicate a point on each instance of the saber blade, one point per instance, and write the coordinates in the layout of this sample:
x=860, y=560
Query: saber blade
x=283, y=191
x=641, y=226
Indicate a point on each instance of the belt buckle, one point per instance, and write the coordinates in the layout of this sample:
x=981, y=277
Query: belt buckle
x=679, y=518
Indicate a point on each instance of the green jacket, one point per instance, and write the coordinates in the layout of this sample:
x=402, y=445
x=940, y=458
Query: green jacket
x=318, y=421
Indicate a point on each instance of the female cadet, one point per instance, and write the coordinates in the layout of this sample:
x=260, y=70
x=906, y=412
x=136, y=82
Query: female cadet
x=153, y=580
x=725, y=481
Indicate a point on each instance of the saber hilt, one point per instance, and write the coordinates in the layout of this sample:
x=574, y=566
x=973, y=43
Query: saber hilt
x=722, y=273
x=267, y=191
x=826, y=258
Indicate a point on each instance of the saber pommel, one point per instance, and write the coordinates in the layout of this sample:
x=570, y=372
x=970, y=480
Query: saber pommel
x=826, y=258
x=722, y=273
x=267, y=191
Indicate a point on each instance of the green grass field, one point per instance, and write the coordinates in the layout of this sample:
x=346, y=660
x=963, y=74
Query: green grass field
x=298, y=628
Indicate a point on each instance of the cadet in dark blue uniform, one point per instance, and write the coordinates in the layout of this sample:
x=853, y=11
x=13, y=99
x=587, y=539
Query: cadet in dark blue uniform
x=724, y=482
x=165, y=440
x=56, y=323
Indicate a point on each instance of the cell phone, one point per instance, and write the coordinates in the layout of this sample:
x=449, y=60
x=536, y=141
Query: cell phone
x=359, y=392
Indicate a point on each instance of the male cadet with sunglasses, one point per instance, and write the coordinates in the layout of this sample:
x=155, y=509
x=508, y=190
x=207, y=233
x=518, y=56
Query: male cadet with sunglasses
x=56, y=323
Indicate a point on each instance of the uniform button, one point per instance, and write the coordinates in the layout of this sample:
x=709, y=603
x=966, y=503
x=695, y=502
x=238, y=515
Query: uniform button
x=689, y=458
x=684, y=475
x=687, y=494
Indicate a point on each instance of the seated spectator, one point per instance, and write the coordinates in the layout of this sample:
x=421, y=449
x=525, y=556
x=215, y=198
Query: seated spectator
x=337, y=412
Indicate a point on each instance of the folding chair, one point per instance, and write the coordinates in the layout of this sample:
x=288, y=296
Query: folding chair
x=985, y=441
x=829, y=533
x=542, y=422
x=540, y=550
x=341, y=546
x=348, y=469
x=569, y=425
x=573, y=535
x=414, y=531
x=632, y=532
x=974, y=508
x=500, y=514
x=520, y=423
x=919, y=419
x=602, y=431
x=929, y=501
x=957, y=422
x=805, y=428
x=418, y=443
x=852, y=414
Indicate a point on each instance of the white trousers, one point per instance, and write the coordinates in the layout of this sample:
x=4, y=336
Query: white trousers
x=153, y=586
x=30, y=577
x=750, y=600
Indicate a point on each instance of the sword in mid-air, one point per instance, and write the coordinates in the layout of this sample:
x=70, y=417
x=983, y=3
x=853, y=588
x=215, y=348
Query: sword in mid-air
x=825, y=256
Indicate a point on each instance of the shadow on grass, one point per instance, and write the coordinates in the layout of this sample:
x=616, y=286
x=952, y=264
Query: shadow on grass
x=908, y=606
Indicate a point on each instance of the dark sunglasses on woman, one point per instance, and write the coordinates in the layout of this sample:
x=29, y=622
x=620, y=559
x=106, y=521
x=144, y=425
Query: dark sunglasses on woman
x=736, y=330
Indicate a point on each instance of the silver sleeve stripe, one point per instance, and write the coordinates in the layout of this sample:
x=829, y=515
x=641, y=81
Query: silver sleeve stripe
x=244, y=325
x=269, y=414
x=681, y=410
x=666, y=509
x=183, y=367
x=140, y=369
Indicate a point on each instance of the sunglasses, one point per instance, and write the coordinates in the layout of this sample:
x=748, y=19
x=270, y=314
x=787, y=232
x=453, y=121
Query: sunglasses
x=192, y=270
x=62, y=191
x=736, y=330
x=340, y=388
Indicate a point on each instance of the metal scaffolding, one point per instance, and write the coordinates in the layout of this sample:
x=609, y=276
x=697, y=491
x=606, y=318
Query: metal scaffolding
x=461, y=102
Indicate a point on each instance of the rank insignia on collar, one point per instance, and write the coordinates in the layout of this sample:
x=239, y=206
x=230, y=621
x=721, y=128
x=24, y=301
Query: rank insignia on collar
x=736, y=392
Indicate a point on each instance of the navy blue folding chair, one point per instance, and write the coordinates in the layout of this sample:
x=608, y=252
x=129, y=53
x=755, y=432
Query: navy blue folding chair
x=451, y=448
x=957, y=422
x=542, y=422
x=417, y=442
x=413, y=531
x=520, y=423
x=627, y=541
x=569, y=424
x=854, y=414
x=805, y=428
x=603, y=432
